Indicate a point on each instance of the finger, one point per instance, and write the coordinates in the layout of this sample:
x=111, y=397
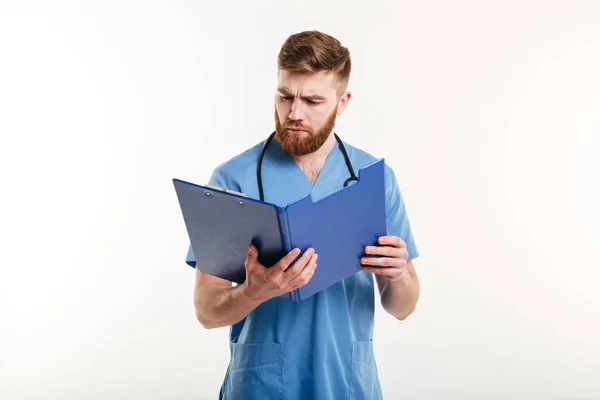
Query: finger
x=383, y=251
x=391, y=241
x=383, y=261
x=305, y=275
x=389, y=272
x=285, y=262
x=300, y=264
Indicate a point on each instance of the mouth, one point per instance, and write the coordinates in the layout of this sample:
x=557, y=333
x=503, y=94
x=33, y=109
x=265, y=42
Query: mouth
x=295, y=130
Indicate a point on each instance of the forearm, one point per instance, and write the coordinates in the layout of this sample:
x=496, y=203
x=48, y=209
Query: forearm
x=218, y=305
x=399, y=298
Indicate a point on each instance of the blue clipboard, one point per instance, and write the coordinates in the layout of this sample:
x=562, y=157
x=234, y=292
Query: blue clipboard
x=221, y=224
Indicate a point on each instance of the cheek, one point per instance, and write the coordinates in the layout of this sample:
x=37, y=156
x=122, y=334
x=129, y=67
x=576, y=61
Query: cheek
x=283, y=109
x=319, y=119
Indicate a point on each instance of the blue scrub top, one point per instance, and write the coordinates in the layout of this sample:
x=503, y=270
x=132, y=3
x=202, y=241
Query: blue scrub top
x=321, y=347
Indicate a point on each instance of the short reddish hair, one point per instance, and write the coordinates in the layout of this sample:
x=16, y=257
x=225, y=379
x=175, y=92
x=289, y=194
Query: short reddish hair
x=314, y=51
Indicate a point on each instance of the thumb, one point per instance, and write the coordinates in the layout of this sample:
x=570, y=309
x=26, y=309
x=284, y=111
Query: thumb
x=252, y=256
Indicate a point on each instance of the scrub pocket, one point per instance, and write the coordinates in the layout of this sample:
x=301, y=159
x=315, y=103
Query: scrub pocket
x=255, y=372
x=364, y=381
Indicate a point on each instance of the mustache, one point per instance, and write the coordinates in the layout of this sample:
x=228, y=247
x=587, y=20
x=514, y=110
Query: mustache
x=304, y=128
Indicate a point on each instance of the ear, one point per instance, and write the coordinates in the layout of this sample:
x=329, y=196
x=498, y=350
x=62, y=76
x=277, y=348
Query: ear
x=343, y=102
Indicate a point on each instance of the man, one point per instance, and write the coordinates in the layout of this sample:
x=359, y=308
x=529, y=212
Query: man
x=320, y=347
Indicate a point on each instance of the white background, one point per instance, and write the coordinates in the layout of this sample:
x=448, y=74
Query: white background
x=489, y=112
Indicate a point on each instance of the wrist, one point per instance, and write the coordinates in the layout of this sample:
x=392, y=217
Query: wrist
x=249, y=296
x=402, y=280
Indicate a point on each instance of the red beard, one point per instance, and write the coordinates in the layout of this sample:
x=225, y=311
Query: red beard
x=304, y=143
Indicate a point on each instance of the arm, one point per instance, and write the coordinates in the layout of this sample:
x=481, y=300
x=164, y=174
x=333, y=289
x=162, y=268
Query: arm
x=399, y=298
x=218, y=304
x=396, y=277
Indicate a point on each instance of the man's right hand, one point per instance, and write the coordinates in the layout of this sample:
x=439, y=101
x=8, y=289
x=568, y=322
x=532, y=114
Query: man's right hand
x=263, y=283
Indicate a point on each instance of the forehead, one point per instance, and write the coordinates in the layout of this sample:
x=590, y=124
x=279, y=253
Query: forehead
x=320, y=82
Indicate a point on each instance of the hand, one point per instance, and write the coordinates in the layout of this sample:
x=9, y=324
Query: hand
x=393, y=262
x=264, y=283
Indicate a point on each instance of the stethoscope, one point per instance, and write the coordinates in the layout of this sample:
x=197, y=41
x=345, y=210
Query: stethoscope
x=264, y=150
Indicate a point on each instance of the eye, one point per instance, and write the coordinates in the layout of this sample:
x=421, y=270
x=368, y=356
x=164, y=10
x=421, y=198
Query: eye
x=288, y=98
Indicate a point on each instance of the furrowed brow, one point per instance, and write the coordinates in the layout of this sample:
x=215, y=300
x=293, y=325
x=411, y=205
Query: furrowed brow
x=311, y=97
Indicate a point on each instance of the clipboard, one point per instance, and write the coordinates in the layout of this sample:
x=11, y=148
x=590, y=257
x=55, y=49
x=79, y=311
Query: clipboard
x=222, y=223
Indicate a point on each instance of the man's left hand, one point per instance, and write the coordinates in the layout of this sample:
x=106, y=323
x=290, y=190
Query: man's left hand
x=393, y=262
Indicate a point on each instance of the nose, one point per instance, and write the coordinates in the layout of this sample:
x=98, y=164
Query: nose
x=296, y=113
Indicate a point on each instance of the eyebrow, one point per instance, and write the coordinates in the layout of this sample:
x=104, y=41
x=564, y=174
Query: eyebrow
x=284, y=90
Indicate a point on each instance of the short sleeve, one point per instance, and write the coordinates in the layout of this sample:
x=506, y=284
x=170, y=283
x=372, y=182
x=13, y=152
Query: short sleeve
x=397, y=220
x=216, y=179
